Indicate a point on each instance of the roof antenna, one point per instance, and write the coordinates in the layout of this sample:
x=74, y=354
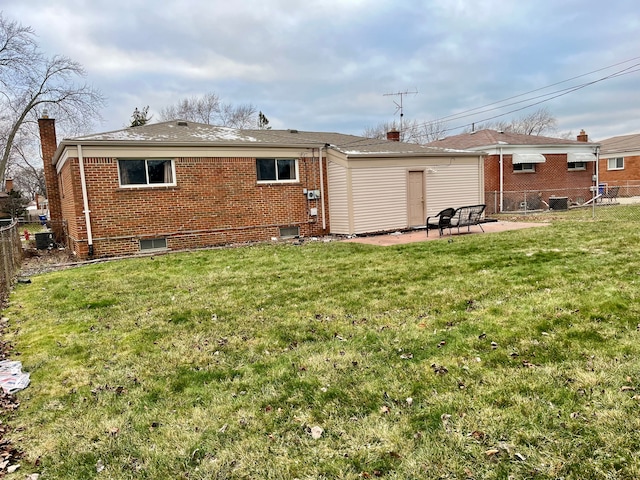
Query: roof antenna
x=399, y=105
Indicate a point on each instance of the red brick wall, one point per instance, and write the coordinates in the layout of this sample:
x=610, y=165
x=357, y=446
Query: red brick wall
x=551, y=178
x=628, y=177
x=216, y=201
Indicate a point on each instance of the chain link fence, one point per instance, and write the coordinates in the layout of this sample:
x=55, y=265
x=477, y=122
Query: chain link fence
x=557, y=185
x=11, y=251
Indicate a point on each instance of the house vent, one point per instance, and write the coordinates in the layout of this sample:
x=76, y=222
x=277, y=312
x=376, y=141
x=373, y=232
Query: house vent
x=182, y=124
x=293, y=131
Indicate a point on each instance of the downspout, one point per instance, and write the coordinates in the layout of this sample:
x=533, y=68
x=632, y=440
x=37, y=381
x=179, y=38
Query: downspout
x=596, y=188
x=85, y=201
x=324, y=220
x=501, y=161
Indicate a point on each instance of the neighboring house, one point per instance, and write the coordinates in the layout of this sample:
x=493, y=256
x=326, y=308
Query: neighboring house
x=530, y=172
x=619, y=164
x=179, y=184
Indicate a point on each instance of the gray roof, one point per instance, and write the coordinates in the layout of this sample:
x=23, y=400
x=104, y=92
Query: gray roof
x=186, y=133
x=486, y=138
x=621, y=144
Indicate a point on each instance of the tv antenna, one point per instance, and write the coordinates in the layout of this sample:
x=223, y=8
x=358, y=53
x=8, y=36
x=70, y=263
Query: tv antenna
x=399, y=107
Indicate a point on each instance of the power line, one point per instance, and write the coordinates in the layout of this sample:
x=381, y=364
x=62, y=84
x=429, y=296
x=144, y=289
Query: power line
x=551, y=95
x=537, y=89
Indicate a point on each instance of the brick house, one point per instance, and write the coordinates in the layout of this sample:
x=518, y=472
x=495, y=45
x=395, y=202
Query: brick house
x=619, y=164
x=178, y=184
x=530, y=172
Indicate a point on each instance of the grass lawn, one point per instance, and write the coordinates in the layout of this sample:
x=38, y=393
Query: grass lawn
x=511, y=355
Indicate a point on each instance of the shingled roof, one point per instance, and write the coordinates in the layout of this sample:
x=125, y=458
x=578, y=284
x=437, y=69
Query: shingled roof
x=491, y=138
x=621, y=144
x=186, y=133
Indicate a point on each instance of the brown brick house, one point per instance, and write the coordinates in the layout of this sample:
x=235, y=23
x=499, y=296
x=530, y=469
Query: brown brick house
x=178, y=184
x=619, y=164
x=530, y=172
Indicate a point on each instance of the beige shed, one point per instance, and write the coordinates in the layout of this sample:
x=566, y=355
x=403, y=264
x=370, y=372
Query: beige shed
x=394, y=186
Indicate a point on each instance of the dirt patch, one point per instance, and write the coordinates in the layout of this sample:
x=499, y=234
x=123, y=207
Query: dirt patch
x=43, y=261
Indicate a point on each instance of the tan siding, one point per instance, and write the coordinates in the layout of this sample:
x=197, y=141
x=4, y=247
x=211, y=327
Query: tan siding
x=379, y=199
x=452, y=186
x=338, y=199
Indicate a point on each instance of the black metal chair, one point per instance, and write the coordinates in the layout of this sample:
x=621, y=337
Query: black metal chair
x=440, y=221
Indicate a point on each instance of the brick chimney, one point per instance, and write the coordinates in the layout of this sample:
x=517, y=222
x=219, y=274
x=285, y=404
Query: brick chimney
x=8, y=185
x=49, y=145
x=583, y=137
x=393, y=135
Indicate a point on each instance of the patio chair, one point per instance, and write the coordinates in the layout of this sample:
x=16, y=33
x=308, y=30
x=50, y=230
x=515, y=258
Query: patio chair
x=440, y=221
x=611, y=194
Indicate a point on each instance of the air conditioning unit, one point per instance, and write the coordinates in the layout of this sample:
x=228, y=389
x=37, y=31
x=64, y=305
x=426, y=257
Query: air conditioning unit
x=313, y=194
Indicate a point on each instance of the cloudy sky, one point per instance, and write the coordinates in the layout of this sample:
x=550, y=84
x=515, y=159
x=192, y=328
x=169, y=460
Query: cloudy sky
x=326, y=65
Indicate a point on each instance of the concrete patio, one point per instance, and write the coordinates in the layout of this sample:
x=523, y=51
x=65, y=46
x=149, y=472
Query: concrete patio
x=400, y=238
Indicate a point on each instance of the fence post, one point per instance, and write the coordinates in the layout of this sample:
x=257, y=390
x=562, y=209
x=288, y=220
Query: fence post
x=11, y=251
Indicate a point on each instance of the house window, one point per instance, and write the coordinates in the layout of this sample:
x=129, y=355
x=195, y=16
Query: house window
x=577, y=165
x=277, y=169
x=524, y=167
x=134, y=173
x=289, y=232
x=153, y=244
x=616, y=163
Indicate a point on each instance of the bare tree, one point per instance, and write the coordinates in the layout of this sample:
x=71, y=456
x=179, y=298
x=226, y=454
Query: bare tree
x=26, y=169
x=412, y=131
x=17, y=49
x=32, y=82
x=210, y=110
x=539, y=122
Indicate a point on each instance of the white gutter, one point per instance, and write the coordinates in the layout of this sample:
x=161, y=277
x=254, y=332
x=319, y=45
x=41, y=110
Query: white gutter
x=324, y=220
x=501, y=181
x=85, y=200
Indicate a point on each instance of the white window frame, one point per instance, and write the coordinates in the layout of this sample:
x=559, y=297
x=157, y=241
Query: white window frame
x=615, y=161
x=524, y=168
x=147, y=184
x=278, y=180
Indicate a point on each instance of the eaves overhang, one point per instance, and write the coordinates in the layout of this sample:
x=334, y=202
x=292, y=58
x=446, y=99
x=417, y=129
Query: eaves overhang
x=145, y=144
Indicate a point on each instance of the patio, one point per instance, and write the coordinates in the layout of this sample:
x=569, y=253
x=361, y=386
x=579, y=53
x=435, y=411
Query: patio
x=420, y=235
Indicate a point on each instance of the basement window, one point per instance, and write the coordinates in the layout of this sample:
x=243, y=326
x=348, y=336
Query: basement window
x=289, y=232
x=277, y=169
x=147, y=172
x=153, y=244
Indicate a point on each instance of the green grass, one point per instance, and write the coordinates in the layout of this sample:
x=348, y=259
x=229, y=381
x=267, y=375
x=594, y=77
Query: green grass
x=415, y=360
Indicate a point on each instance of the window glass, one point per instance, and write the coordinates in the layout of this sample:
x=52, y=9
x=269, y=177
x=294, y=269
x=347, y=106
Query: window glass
x=146, y=172
x=286, y=169
x=159, y=171
x=266, y=168
x=132, y=172
x=276, y=169
x=616, y=163
x=577, y=166
x=524, y=167
x=153, y=243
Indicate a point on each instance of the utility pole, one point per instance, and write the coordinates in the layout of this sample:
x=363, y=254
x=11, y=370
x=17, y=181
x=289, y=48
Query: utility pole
x=399, y=105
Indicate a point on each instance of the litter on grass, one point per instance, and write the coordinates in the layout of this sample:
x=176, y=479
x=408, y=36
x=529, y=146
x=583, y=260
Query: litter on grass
x=12, y=379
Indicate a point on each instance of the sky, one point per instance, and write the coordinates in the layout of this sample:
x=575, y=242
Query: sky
x=330, y=65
